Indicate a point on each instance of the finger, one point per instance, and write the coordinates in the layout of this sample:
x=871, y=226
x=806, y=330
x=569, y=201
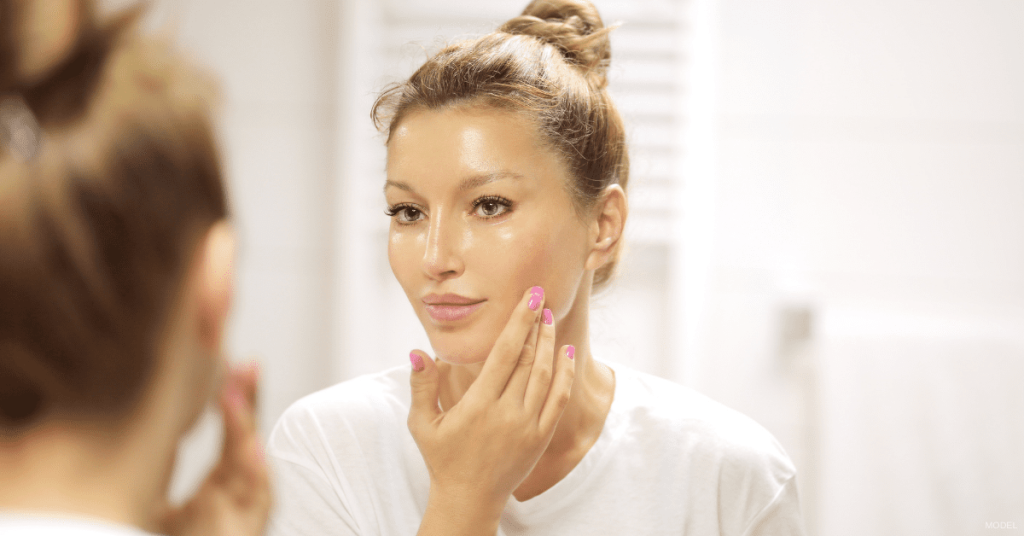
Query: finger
x=504, y=356
x=239, y=420
x=424, y=383
x=240, y=394
x=243, y=461
x=241, y=472
x=248, y=378
x=561, y=388
x=516, y=387
x=542, y=372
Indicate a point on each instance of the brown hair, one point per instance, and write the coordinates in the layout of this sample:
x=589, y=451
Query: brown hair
x=550, y=62
x=99, y=223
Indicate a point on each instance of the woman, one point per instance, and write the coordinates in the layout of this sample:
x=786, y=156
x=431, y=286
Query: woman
x=507, y=168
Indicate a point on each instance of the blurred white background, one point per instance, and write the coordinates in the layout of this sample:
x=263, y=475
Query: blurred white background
x=827, y=229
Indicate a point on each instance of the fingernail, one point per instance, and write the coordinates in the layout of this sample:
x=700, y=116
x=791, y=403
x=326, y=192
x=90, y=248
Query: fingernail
x=570, y=352
x=417, y=362
x=536, y=295
x=235, y=398
x=546, y=317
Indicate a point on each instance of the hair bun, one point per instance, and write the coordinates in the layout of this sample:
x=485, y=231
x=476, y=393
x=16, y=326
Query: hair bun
x=52, y=54
x=37, y=37
x=575, y=27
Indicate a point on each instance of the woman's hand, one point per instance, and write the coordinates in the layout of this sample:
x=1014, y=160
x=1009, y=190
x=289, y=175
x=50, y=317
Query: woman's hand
x=480, y=450
x=235, y=499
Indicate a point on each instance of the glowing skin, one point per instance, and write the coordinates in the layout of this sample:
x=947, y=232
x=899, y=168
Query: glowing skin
x=481, y=212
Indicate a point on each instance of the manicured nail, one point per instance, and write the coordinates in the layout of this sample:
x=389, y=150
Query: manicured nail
x=417, y=362
x=536, y=295
x=546, y=317
x=235, y=398
x=570, y=352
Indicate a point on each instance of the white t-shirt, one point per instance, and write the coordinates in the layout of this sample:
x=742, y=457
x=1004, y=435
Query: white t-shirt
x=18, y=524
x=668, y=461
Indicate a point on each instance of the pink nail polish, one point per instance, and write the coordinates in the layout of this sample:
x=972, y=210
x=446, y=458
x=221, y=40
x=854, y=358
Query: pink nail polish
x=536, y=295
x=417, y=362
x=546, y=317
x=570, y=352
x=235, y=398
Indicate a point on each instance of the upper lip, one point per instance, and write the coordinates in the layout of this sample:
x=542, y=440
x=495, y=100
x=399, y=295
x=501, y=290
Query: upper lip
x=449, y=299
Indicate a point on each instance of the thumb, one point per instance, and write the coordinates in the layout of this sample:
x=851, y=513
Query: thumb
x=424, y=384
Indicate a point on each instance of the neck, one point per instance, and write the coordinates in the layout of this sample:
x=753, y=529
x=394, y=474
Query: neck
x=84, y=468
x=592, y=388
x=115, y=471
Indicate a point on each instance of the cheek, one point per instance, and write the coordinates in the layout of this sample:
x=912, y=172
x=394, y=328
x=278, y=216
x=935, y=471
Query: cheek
x=514, y=259
x=404, y=250
x=509, y=257
x=563, y=260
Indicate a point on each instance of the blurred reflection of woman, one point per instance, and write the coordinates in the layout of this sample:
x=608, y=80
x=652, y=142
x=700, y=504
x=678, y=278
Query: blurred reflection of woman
x=115, y=282
x=507, y=169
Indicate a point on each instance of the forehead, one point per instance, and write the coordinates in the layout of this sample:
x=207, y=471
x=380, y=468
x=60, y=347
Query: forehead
x=465, y=141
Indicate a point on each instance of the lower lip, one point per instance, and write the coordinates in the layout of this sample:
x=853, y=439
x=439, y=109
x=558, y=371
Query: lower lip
x=451, y=313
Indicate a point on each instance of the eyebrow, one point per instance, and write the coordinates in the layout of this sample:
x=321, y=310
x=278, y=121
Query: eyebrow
x=470, y=183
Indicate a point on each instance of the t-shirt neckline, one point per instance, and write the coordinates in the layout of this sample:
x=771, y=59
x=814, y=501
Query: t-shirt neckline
x=565, y=490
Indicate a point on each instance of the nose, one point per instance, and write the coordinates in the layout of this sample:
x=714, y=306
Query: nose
x=442, y=258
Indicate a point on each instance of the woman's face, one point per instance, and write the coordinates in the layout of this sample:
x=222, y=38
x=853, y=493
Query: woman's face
x=480, y=213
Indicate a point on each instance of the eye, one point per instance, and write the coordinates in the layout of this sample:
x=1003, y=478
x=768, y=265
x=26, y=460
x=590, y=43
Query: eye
x=404, y=213
x=491, y=206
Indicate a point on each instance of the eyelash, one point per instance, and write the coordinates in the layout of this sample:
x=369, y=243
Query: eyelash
x=497, y=200
x=395, y=210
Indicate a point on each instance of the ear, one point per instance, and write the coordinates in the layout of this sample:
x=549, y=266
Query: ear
x=606, y=228
x=215, y=270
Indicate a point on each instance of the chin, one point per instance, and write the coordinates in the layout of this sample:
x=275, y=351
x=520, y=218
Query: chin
x=456, y=350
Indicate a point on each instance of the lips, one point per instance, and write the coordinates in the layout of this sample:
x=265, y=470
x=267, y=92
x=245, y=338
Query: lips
x=450, y=307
